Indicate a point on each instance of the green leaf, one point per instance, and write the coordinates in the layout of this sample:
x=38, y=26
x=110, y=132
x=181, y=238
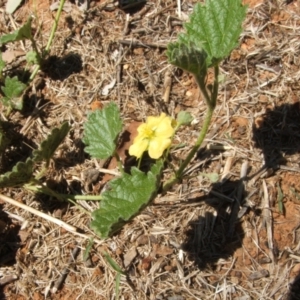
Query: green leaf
x=13, y=89
x=48, y=146
x=280, y=197
x=88, y=249
x=188, y=56
x=118, y=279
x=113, y=264
x=214, y=27
x=2, y=66
x=218, y=25
x=20, y=174
x=295, y=193
x=125, y=198
x=21, y=34
x=32, y=57
x=101, y=131
x=213, y=177
x=184, y=118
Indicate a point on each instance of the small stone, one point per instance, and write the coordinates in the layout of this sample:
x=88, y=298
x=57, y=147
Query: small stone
x=189, y=93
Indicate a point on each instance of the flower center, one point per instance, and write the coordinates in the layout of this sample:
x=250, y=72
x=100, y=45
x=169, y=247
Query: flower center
x=149, y=133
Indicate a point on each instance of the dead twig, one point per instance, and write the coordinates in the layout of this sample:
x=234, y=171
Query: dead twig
x=66, y=270
x=7, y=279
x=167, y=86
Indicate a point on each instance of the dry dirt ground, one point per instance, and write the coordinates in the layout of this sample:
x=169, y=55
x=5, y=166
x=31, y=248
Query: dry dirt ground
x=238, y=238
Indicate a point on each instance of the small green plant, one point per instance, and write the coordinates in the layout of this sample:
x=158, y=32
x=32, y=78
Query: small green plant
x=12, y=87
x=27, y=174
x=209, y=37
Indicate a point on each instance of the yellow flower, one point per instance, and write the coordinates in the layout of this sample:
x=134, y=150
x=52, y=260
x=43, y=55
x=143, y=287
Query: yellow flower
x=154, y=136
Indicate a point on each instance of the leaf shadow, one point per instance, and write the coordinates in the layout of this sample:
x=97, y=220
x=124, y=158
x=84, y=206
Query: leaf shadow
x=19, y=147
x=130, y=8
x=60, y=68
x=10, y=242
x=73, y=157
x=52, y=204
x=217, y=233
x=9, y=239
x=2, y=295
x=277, y=133
x=294, y=290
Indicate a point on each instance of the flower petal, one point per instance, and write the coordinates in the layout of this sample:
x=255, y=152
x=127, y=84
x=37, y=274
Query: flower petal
x=153, y=122
x=139, y=146
x=154, y=136
x=165, y=128
x=157, y=146
x=142, y=128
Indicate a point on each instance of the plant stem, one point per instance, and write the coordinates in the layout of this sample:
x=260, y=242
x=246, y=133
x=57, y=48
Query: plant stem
x=50, y=40
x=35, y=48
x=54, y=27
x=84, y=197
x=119, y=162
x=37, y=188
x=35, y=70
x=78, y=206
x=201, y=83
x=198, y=143
x=215, y=89
x=41, y=173
x=203, y=132
x=211, y=101
x=63, y=197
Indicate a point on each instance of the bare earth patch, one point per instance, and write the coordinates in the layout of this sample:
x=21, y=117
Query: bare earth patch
x=238, y=238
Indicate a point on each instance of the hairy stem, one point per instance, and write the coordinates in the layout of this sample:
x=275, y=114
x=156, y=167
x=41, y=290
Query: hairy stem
x=119, y=162
x=215, y=89
x=35, y=48
x=198, y=143
x=201, y=83
x=203, y=132
x=211, y=101
x=54, y=27
x=41, y=173
x=63, y=197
